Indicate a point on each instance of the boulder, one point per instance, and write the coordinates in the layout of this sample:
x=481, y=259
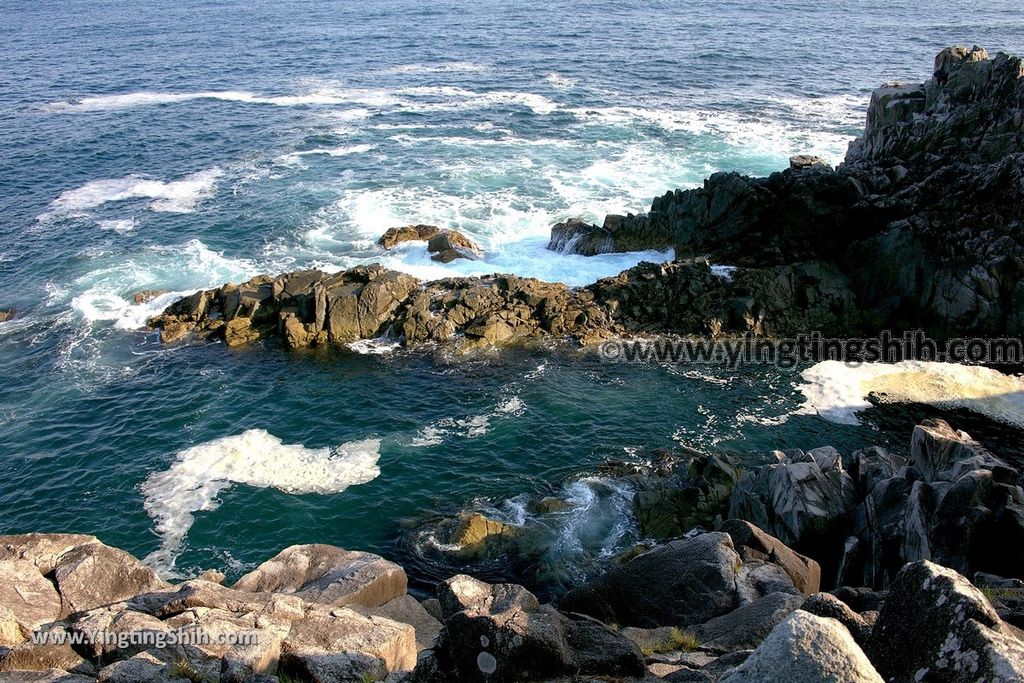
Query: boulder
x=6, y=314
x=169, y=665
x=807, y=161
x=744, y=628
x=194, y=594
x=805, y=648
x=116, y=632
x=407, y=233
x=449, y=245
x=146, y=295
x=55, y=653
x=616, y=234
x=405, y=609
x=936, y=626
x=331, y=640
x=29, y=600
x=682, y=582
x=329, y=575
x=751, y=543
x=93, y=575
x=827, y=605
x=502, y=633
x=697, y=499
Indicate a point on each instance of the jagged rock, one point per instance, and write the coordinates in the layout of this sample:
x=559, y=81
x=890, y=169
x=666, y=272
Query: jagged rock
x=805, y=648
x=807, y=161
x=329, y=575
x=6, y=314
x=802, y=499
x=936, y=626
x=683, y=582
x=449, y=245
x=617, y=234
x=827, y=605
x=244, y=662
x=336, y=642
x=406, y=609
x=146, y=295
x=746, y=627
x=952, y=502
x=501, y=633
x=751, y=543
x=407, y=233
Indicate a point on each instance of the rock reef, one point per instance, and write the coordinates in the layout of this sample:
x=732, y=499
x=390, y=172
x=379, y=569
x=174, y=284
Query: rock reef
x=922, y=227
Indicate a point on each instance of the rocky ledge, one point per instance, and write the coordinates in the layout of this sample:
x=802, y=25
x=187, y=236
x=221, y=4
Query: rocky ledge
x=743, y=602
x=922, y=227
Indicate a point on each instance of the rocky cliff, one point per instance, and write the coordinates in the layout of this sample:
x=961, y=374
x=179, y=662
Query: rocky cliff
x=925, y=218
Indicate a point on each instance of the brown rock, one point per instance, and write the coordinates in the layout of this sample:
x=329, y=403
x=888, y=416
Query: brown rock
x=329, y=575
x=408, y=233
x=93, y=575
x=448, y=245
x=754, y=544
x=29, y=598
x=315, y=642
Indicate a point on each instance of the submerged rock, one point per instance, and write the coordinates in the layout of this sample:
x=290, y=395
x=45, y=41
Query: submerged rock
x=449, y=245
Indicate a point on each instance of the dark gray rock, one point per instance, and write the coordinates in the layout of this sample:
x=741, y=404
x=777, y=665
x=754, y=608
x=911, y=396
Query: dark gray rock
x=746, y=627
x=936, y=626
x=682, y=582
x=502, y=633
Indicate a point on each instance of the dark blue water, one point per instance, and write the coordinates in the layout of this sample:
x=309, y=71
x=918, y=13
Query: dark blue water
x=174, y=146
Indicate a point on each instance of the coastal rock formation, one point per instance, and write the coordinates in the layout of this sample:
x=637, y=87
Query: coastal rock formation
x=925, y=218
x=680, y=583
x=6, y=314
x=936, y=626
x=617, y=234
x=445, y=245
x=949, y=502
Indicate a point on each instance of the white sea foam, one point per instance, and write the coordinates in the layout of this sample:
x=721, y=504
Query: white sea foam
x=176, y=196
x=468, y=427
x=724, y=272
x=379, y=346
x=559, y=81
x=445, y=67
x=254, y=458
x=837, y=392
x=122, y=226
x=296, y=157
x=105, y=293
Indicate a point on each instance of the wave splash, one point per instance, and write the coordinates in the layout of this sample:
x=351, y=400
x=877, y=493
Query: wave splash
x=254, y=458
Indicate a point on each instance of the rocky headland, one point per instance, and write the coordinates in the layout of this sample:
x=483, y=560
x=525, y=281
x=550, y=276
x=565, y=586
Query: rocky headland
x=921, y=227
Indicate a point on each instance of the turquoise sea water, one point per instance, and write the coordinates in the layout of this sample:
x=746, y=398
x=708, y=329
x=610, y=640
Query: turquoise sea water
x=177, y=146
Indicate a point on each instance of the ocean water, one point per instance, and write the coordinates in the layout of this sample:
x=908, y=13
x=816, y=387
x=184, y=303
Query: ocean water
x=175, y=146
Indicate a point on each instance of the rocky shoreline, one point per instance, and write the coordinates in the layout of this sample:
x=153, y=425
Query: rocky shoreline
x=816, y=565
x=922, y=227
x=754, y=597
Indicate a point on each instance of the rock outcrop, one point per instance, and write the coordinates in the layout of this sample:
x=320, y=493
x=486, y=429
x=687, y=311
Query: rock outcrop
x=924, y=219
x=444, y=245
x=936, y=626
x=617, y=234
x=681, y=583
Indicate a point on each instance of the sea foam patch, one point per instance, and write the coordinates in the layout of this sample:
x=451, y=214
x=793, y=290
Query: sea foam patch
x=254, y=458
x=175, y=196
x=837, y=391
